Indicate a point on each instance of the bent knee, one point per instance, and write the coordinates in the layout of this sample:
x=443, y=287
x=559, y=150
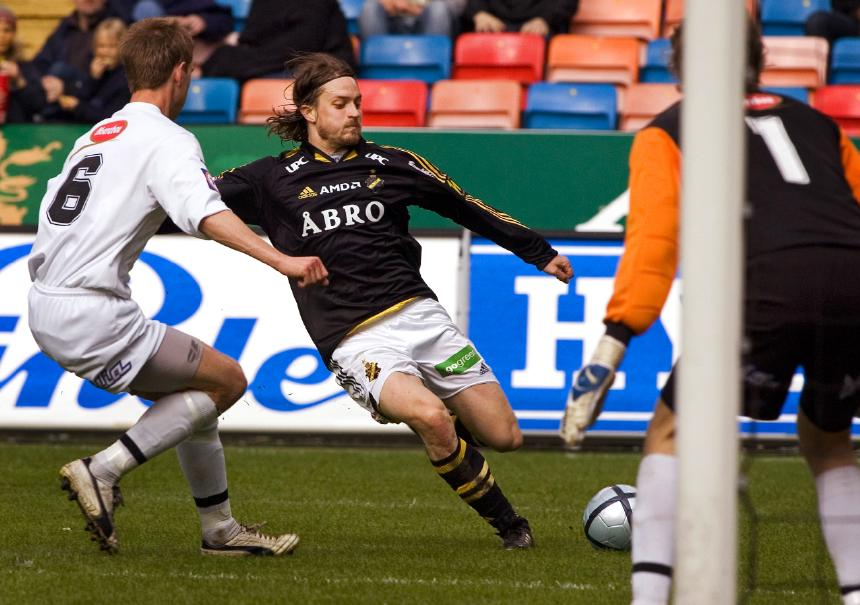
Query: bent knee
x=233, y=385
x=506, y=441
x=431, y=417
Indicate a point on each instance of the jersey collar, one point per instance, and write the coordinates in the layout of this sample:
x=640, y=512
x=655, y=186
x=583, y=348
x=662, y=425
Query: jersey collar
x=319, y=156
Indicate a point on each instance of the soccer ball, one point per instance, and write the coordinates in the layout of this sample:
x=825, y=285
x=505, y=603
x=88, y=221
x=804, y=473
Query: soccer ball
x=608, y=515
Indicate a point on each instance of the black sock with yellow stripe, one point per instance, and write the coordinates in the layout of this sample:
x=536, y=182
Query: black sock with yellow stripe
x=468, y=474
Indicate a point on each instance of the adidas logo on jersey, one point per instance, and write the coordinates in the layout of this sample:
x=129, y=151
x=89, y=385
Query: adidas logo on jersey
x=484, y=369
x=306, y=193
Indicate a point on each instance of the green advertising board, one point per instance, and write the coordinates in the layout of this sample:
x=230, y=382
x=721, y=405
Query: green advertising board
x=551, y=181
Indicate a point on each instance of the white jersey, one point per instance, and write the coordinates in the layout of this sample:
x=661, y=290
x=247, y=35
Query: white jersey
x=118, y=184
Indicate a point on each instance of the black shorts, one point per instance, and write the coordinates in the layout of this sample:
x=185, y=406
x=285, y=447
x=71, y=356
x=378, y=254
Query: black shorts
x=801, y=309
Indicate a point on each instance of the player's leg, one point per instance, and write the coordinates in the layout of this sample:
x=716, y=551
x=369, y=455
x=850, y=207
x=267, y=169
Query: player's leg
x=485, y=412
x=404, y=398
x=831, y=459
x=653, y=548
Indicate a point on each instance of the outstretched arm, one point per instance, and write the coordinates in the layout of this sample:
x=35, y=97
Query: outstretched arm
x=228, y=229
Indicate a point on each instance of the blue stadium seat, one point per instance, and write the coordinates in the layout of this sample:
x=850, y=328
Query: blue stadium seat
x=845, y=61
x=210, y=101
x=798, y=93
x=656, y=69
x=581, y=106
x=787, y=17
x=425, y=58
x=351, y=10
x=240, y=9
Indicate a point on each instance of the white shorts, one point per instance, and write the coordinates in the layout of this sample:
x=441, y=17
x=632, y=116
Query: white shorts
x=101, y=338
x=419, y=339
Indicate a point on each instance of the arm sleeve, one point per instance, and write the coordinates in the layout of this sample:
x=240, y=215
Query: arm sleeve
x=850, y=163
x=240, y=190
x=179, y=181
x=437, y=192
x=650, y=260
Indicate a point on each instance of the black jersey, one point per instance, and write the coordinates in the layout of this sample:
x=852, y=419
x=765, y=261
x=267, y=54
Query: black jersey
x=354, y=215
x=803, y=179
x=798, y=169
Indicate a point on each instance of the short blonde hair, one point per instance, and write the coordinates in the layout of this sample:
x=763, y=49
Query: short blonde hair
x=112, y=27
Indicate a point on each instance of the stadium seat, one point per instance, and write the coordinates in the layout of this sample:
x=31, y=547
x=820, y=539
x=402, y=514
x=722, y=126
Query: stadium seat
x=260, y=97
x=787, y=17
x=842, y=103
x=425, y=58
x=580, y=106
x=656, y=67
x=351, y=10
x=210, y=101
x=794, y=61
x=505, y=56
x=799, y=94
x=393, y=102
x=240, y=10
x=475, y=104
x=845, y=61
x=675, y=14
x=644, y=101
x=575, y=58
x=627, y=18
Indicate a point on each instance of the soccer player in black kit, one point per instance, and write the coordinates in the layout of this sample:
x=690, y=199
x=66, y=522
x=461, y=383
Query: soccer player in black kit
x=377, y=325
x=801, y=308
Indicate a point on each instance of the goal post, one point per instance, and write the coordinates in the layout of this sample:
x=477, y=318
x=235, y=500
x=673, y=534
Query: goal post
x=712, y=140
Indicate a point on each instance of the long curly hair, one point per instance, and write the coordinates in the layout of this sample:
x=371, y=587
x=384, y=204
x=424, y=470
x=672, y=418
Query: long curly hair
x=311, y=71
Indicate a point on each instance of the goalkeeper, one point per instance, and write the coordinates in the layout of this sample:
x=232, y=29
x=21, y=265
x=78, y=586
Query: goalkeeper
x=801, y=308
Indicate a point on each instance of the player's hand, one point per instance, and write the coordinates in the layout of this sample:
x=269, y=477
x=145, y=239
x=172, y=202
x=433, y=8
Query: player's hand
x=487, y=23
x=308, y=270
x=535, y=26
x=590, y=385
x=560, y=268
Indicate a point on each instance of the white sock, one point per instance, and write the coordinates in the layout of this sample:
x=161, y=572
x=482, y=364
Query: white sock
x=201, y=457
x=167, y=422
x=653, y=549
x=839, y=509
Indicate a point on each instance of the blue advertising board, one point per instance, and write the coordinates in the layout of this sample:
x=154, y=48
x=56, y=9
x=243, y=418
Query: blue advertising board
x=535, y=332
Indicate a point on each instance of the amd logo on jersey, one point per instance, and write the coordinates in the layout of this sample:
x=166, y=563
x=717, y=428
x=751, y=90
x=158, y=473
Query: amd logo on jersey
x=348, y=215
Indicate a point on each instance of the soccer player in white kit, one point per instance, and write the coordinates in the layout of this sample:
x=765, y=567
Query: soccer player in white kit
x=118, y=184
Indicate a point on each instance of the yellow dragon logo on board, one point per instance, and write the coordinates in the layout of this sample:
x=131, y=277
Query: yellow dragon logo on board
x=13, y=188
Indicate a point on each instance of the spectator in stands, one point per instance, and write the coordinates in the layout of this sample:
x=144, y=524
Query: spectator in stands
x=278, y=30
x=17, y=71
x=842, y=22
x=542, y=17
x=104, y=89
x=68, y=50
x=207, y=22
x=381, y=17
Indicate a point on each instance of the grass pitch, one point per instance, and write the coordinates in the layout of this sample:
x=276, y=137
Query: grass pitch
x=378, y=527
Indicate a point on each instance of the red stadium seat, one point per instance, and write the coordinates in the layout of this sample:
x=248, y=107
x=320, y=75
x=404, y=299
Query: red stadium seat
x=644, y=101
x=575, y=58
x=261, y=97
x=628, y=18
x=475, y=104
x=393, y=102
x=507, y=56
x=794, y=61
x=842, y=103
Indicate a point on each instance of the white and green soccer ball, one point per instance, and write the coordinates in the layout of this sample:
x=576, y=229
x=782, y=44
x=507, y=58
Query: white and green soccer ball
x=608, y=517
